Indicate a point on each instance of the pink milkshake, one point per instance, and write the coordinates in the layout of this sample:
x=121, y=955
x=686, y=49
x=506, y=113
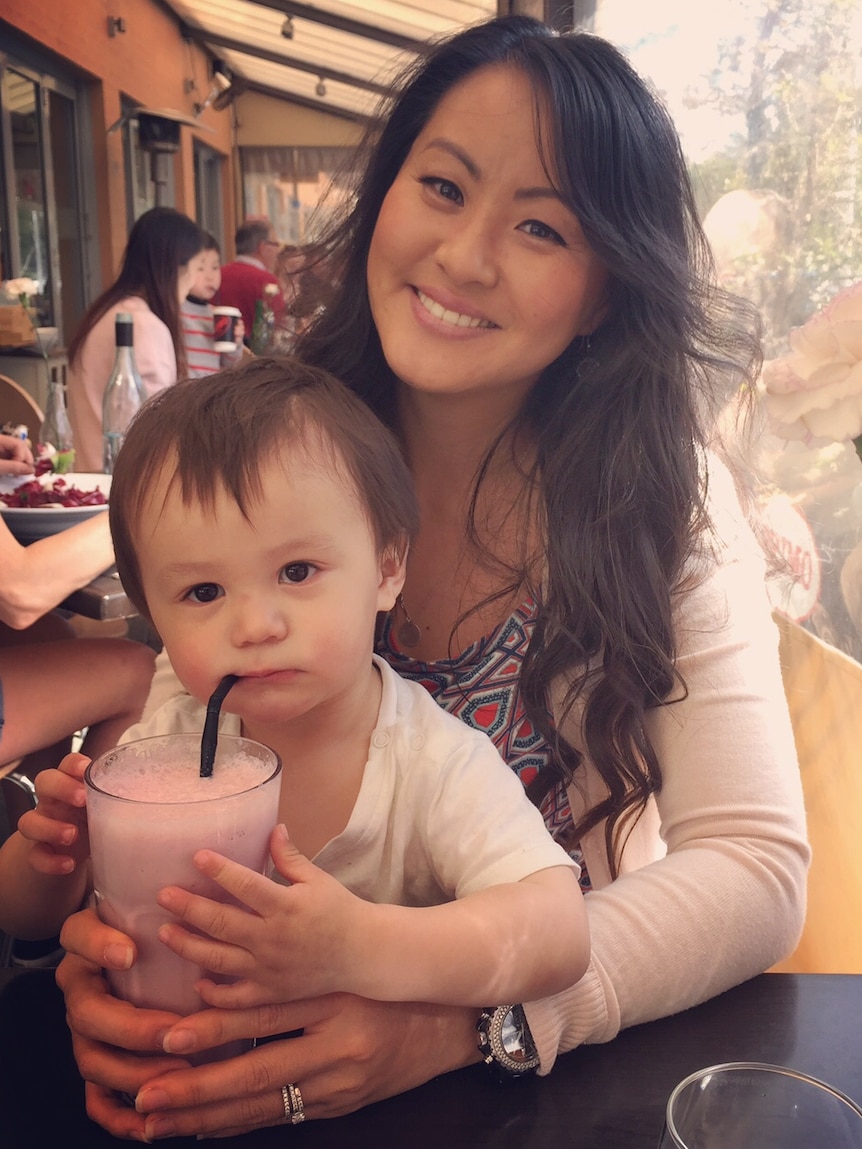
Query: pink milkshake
x=148, y=812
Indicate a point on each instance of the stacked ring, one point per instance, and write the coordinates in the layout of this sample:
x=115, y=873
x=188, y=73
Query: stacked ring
x=291, y=1098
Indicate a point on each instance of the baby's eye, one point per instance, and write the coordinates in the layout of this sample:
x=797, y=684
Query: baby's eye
x=205, y=592
x=296, y=572
x=539, y=230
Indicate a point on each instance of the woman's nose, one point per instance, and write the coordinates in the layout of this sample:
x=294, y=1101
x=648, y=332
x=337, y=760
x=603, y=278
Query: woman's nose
x=469, y=251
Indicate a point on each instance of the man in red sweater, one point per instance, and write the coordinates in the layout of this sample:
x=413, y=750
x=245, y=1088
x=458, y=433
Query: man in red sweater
x=243, y=282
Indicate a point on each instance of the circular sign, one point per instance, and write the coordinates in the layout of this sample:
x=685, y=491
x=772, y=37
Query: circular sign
x=794, y=586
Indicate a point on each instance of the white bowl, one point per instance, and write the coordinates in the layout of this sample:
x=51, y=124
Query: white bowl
x=28, y=524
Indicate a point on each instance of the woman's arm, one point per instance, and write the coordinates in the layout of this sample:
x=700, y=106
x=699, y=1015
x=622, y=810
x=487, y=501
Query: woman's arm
x=728, y=899
x=35, y=579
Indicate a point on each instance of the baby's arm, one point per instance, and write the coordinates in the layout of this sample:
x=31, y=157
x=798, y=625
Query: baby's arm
x=43, y=871
x=511, y=942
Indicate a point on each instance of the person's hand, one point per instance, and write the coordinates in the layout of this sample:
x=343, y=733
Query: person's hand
x=284, y=942
x=239, y=331
x=16, y=458
x=351, y=1053
x=117, y=1047
x=57, y=827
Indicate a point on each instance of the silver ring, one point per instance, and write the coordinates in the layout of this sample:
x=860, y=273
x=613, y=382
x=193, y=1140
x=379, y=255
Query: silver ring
x=297, y=1109
x=285, y=1100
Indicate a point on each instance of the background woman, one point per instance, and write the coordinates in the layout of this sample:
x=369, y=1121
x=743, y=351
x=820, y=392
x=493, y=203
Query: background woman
x=525, y=298
x=155, y=277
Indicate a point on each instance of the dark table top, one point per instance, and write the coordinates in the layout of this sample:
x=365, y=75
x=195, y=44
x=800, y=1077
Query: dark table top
x=103, y=598
x=597, y=1097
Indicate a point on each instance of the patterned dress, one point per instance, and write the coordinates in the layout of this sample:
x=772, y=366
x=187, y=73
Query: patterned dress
x=482, y=688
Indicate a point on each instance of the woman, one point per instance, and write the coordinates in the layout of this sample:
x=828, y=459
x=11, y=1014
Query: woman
x=524, y=299
x=155, y=277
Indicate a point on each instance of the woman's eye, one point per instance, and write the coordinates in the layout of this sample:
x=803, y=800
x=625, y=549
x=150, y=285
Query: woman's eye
x=205, y=592
x=539, y=230
x=444, y=188
x=296, y=572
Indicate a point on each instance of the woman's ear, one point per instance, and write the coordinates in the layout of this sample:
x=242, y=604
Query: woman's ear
x=393, y=570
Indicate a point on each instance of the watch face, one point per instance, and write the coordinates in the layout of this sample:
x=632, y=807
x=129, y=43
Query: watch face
x=516, y=1039
x=512, y=1036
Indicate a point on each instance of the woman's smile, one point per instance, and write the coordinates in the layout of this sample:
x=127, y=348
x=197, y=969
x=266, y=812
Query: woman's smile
x=450, y=317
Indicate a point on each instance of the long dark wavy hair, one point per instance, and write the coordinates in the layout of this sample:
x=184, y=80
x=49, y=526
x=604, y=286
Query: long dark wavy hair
x=161, y=241
x=620, y=421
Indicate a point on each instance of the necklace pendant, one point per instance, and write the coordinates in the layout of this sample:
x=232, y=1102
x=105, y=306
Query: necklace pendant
x=408, y=633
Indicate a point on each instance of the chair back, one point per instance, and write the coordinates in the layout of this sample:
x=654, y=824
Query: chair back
x=824, y=694
x=19, y=406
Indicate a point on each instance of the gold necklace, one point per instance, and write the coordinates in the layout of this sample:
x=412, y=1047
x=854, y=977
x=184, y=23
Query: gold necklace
x=407, y=632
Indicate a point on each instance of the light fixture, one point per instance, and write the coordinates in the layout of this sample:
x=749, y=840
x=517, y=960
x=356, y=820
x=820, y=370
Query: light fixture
x=221, y=75
x=320, y=90
x=287, y=28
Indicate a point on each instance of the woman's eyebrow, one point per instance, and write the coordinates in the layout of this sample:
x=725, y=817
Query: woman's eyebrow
x=459, y=154
x=543, y=191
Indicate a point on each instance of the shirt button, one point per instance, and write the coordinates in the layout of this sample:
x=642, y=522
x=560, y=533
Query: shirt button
x=380, y=739
x=417, y=741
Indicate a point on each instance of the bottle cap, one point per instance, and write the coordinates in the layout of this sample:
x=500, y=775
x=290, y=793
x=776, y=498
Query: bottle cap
x=123, y=329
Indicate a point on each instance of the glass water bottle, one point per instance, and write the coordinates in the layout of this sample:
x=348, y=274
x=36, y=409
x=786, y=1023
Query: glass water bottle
x=124, y=394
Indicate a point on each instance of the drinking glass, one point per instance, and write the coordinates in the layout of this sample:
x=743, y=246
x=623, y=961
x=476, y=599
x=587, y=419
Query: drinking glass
x=747, y=1105
x=148, y=812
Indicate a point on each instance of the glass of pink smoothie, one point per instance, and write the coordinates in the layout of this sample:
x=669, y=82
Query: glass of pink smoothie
x=148, y=812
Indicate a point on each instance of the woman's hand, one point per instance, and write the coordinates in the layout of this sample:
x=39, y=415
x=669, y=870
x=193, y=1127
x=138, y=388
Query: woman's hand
x=57, y=827
x=117, y=1047
x=351, y=1053
x=16, y=458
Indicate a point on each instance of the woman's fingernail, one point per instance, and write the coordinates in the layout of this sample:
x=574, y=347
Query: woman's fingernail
x=118, y=956
x=148, y=1100
x=159, y=1127
x=179, y=1041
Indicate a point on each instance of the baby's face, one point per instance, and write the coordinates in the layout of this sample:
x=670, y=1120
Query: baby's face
x=207, y=279
x=286, y=599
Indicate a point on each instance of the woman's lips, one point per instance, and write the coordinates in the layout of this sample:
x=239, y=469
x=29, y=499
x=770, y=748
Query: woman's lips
x=453, y=318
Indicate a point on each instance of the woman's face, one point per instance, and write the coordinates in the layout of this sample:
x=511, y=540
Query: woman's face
x=478, y=274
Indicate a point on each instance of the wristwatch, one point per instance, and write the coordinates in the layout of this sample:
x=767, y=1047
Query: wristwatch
x=505, y=1042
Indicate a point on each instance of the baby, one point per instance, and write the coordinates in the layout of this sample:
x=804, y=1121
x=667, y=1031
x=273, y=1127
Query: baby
x=262, y=523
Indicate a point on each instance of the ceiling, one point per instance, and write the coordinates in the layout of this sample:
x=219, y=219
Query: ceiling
x=336, y=55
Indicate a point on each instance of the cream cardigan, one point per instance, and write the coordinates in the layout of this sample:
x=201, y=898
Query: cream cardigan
x=713, y=877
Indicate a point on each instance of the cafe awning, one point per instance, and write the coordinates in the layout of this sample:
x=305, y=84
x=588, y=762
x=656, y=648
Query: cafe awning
x=335, y=55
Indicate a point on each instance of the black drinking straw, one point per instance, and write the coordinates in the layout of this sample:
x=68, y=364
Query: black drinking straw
x=210, y=734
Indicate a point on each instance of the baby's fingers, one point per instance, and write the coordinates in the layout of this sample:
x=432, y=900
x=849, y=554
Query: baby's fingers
x=46, y=860
x=53, y=786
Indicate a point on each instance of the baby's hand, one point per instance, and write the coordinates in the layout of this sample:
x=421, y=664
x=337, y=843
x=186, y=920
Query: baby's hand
x=57, y=828
x=282, y=942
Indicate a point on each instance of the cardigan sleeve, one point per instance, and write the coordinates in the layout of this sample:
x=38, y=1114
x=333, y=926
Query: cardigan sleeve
x=713, y=878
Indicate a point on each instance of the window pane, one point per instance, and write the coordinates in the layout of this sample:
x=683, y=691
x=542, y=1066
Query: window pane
x=20, y=96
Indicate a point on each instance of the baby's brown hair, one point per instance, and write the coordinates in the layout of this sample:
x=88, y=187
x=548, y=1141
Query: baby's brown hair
x=216, y=432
